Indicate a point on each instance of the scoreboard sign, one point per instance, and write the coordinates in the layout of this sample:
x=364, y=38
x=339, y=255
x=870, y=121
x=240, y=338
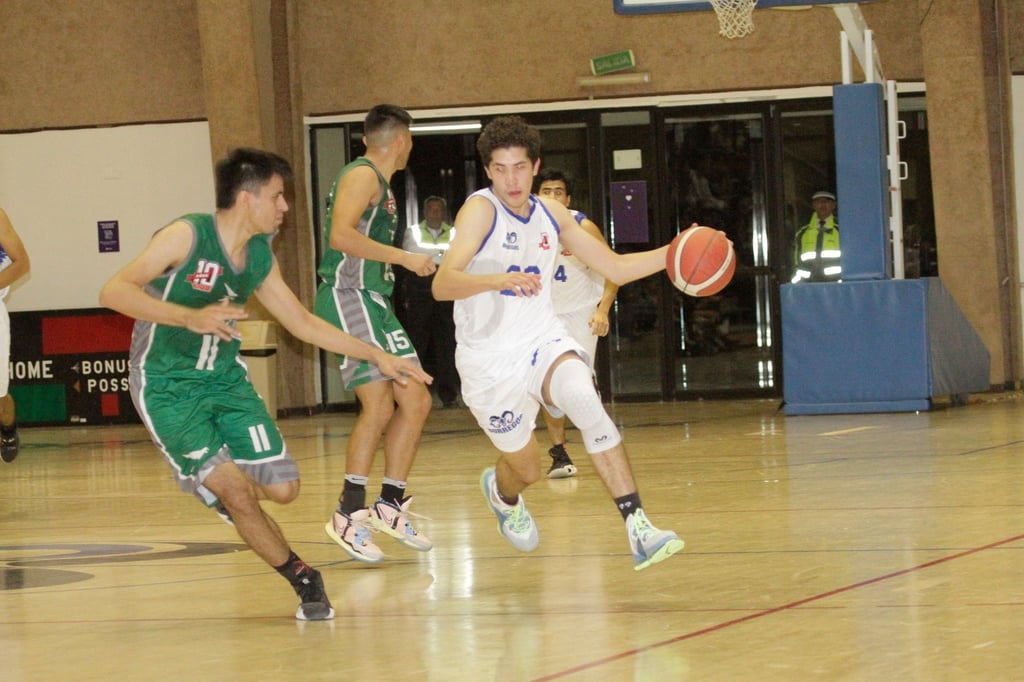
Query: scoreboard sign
x=71, y=367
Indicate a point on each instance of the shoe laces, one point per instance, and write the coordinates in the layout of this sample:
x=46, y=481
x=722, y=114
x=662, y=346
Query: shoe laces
x=362, y=533
x=402, y=510
x=397, y=516
x=310, y=590
x=642, y=528
x=518, y=519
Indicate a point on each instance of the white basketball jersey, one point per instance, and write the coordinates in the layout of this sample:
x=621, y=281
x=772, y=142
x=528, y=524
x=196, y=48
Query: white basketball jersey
x=5, y=261
x=576, y=285
x=495, y=321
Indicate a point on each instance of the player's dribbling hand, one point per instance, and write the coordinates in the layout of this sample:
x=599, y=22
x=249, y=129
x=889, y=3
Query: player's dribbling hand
x=217, y=319
x=520, y=284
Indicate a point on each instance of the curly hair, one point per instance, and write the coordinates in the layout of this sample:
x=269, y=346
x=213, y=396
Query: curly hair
x=508, y=131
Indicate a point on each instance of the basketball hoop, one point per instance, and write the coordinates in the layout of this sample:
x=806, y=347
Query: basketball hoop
x=735, y=17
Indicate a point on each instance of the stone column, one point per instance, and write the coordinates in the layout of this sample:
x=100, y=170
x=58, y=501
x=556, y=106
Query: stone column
x=967, y=76
x=247, y=76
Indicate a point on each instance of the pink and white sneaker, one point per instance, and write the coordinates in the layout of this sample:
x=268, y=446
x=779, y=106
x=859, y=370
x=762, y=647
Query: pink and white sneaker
x=394, y=520
x=352, y=533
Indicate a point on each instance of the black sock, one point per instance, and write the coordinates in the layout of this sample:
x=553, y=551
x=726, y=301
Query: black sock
x=8, y=429
x=295, y=570
x=513, y=502
x=353, y=497
x=392, y=493
x=628, y=504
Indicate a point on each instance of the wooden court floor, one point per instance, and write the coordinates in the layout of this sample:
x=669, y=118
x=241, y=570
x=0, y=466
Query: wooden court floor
x=846, y=547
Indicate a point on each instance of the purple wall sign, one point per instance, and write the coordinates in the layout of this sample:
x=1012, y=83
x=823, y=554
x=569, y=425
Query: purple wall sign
x=108, y=237
x=629, y=212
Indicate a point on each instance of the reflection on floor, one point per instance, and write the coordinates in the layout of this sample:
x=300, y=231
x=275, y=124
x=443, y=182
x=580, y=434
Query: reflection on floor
x=636, y=369
x=852, y=547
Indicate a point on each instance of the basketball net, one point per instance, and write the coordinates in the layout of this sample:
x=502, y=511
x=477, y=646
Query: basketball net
x=735, y=17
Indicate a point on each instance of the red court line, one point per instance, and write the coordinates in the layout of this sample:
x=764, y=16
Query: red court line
x=777, y=609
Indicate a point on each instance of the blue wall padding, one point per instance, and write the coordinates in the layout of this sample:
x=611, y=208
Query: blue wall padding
x=960, y=362
x=876, y=346
x=862, y=181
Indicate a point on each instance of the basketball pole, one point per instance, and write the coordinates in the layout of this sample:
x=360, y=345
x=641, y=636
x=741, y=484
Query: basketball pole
x=857, y=38
x=897, y=174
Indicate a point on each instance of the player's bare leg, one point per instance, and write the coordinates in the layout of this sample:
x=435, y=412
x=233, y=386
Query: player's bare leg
x=240, y=496
x=515, y=471
x=377, y=407
x=349, y=524
x=390, y=512
x=404, y=431
x=555, y=427
x=502, y=486
x=567, y=385
x=397, y=413
x=561, y=464
x=615, y=471
x=10, y=443
x=7, y=411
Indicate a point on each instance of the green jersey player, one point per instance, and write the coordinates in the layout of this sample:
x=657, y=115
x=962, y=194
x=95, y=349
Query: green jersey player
x=186, y=290
x=355, y=295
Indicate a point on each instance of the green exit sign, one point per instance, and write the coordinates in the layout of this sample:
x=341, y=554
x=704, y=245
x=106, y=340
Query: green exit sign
x=609, y=63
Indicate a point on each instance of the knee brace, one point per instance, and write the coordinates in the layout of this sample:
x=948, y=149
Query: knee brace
x=572, y=391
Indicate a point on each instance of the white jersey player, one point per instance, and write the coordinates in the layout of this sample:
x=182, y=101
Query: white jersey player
x=514, y=353
x=582, y=300
x=14, y=264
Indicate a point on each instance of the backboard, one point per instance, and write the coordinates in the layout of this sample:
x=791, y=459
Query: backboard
x=652, y=6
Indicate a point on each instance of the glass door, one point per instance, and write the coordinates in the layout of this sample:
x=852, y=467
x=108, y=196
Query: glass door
x=716, y=176
x=631, y=188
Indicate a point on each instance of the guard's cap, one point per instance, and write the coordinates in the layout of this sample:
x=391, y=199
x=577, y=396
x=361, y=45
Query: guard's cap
x=823, y=195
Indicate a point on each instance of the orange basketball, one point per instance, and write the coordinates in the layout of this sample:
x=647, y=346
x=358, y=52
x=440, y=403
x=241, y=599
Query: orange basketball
x=700, y=261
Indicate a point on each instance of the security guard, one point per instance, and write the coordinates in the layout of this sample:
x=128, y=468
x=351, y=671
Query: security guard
x=429, y=322
x=816, y=245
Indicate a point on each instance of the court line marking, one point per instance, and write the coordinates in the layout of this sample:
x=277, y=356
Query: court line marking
x=843, y=432
x=778, y=609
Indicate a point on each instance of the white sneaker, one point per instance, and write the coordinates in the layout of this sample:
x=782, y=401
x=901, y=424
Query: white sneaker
x=514, y=522
x=648, y=544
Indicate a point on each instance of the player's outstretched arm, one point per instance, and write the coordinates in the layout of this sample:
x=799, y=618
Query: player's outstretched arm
x=125, y=291
x=472, y=224
x=281, y=302
x=620, y=268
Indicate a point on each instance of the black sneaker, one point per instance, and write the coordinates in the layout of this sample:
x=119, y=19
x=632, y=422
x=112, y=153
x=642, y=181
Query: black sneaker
x=315, y=604
x=561, y=465
x=9, y=443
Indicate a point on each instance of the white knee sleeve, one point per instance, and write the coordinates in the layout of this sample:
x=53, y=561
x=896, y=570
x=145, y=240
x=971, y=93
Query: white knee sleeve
x=572, y=391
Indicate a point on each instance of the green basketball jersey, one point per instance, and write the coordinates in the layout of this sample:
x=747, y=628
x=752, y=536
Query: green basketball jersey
x=345, y=271
x=206, y=277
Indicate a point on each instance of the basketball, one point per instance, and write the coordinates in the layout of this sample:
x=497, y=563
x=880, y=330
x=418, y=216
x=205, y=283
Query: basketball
x=700, y=261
